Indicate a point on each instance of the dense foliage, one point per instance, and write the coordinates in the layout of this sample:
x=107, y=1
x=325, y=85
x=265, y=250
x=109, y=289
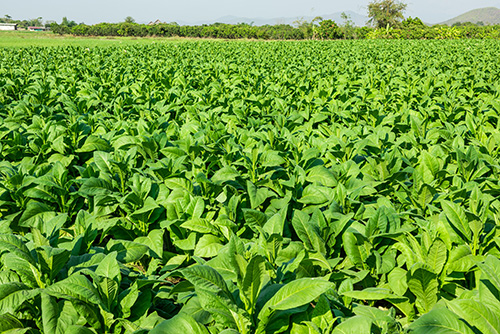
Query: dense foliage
x=415, y=29
x=216, y=30
x=251, y=187
x=324, y=29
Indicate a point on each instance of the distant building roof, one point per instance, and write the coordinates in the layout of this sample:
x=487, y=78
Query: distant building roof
x=8, y=24
x=155, y=22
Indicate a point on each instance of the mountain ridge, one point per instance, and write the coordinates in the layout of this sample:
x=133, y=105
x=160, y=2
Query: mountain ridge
x=358, y=19
x=487, y=15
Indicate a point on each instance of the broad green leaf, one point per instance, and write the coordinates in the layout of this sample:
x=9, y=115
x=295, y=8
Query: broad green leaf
x=127, y=299
x=200, y=225
x=429, y=165
x=127, y=251
x=354, y=249
x=213, y=294
x=276, y=223
x=123, y=141
x=76, y=329
x=397, y=281
x=476, y=314
x=257, y=195
x=52, y=260
x=380, y=317
x=439, y=321
x=10, y=243
x=76, y=287
x=17, y=331
x=154, y=240
x=436, y=258
x=457, y=218
x=109, y=267
x=103, y=161
x=193, y=308
x=225, y=174
x=178, y=183
x=490, y=268
x=35, y=214
x=93, y=143
x=13, y=295
x=424, y=285
x=186, y=244
x=50, y=313
x=253, y=281
x=307, y=231
x=305, y=327
x=28, y=272
x=370, y=294
x=383, y=221
x=208, y=246
x=95, y=186
x=288, y=299
x=206, y=278
x=297, y=293
x=322, y=315
x=230, y=331
x=254, y=218
x=322, y=176
x=181, y=323
x=196, y=207
x=9, y=322
x=354, y=325
x=313, y=195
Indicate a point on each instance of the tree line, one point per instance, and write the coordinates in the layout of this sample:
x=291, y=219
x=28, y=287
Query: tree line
x=411, y=28
x=23, y=24
x=386, y=20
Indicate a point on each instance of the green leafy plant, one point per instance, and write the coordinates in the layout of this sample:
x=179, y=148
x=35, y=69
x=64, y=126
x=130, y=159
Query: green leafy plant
x=209, y=187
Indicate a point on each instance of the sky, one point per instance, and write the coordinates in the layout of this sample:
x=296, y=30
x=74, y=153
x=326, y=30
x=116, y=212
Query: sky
x=194, y=11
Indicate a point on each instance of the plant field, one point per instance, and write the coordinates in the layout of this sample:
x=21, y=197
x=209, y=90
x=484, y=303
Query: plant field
x=251, y=187
x=30, y=38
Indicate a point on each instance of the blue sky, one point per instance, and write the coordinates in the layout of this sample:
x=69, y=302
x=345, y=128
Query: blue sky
x=94, y=11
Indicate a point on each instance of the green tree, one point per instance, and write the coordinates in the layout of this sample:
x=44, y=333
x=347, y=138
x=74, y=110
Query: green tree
x=38, y=22
x=413, y=23
x=67, y=23
x=129, y=19
x=348, y=26
x=383, y=13
x=328, y=29
x=308, y=28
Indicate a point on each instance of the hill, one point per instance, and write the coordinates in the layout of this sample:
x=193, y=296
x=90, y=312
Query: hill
x=488, y=15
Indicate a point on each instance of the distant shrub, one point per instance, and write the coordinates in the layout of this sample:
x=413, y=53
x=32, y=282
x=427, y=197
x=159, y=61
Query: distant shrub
x=328, y=29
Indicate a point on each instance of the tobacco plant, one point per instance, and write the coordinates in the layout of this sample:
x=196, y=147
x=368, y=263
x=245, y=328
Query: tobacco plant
x=249, y=187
